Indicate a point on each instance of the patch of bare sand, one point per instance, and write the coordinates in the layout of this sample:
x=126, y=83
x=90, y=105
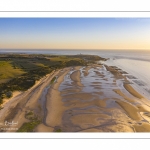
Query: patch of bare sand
x=71, y=91
x=118, y=91
x=139, y=104
x=99, y=74
x=54, y=104
x=85, y=96
x=92, y=130
x=115, y=72
x=43, y=128
x=55, y=108
x=144, y=127
x=130, y=109
x=86, y=70
x=96, y=66
x=119, y=128
x=146, y=115
x=80, y=104
x=109, y=126
x=77, y=67
x=75, y=76
x=89, y=120
x=120, y=116
x=145, y=102
x=143, y=108
x=132, y=91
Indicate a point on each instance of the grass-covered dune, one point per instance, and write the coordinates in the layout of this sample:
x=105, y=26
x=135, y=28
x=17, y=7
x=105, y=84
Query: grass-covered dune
x=7, y=71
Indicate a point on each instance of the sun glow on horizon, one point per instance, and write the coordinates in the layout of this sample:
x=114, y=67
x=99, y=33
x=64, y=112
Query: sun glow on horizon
x=75, y=33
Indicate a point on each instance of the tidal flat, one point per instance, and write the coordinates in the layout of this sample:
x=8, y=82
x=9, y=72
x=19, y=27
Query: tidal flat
x=90, y=97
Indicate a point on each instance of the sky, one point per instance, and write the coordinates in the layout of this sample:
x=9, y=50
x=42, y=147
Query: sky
x=75, y=33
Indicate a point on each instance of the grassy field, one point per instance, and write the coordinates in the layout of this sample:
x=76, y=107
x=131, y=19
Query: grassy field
x=7, y=71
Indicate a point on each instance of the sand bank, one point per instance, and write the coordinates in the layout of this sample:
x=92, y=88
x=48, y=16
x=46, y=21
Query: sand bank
x=54, y=105
x=130, y=89
x=130, y=109
x=75, y=76
x=102, y=103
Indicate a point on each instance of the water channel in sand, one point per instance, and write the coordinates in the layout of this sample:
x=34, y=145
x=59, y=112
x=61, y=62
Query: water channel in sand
x=93, y=99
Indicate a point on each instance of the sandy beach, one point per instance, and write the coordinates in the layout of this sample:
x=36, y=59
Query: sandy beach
x=95, y=98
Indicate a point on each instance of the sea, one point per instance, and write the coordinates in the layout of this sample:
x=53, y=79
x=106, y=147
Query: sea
x=135, y=62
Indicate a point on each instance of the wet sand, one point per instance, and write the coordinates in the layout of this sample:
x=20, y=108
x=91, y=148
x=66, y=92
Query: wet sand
x=132, y=91
x=94, y=98
x=102, y=104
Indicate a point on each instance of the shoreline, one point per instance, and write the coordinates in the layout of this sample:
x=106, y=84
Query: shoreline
x=70, y=99
x=17, y=93
x=94, y=98
x=138, y=73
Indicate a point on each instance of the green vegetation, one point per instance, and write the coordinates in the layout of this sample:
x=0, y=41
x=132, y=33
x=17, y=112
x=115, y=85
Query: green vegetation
x=53, y=80
x=1, y=107
x=29, y=126
x=7, y=71
x=9, y=94
x=1, y=100
x=58, y=130
x=19, y=72
x=30, y=115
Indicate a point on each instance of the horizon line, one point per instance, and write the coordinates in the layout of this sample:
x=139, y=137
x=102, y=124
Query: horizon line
x=63, y=49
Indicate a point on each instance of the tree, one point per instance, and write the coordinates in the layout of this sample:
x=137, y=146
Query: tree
x=9, y=94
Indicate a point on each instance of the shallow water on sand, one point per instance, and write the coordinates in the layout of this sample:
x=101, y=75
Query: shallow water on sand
x=139, y=72
x=99, y=103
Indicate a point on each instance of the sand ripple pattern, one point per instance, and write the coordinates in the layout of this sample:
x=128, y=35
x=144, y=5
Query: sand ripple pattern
x=97, y=101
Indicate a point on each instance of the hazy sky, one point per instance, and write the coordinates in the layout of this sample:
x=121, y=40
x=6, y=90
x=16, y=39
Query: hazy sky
x=74, y=33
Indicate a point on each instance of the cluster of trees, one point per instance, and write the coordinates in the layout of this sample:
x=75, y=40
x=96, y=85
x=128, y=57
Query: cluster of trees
x=22, y=83
x=89, y=58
